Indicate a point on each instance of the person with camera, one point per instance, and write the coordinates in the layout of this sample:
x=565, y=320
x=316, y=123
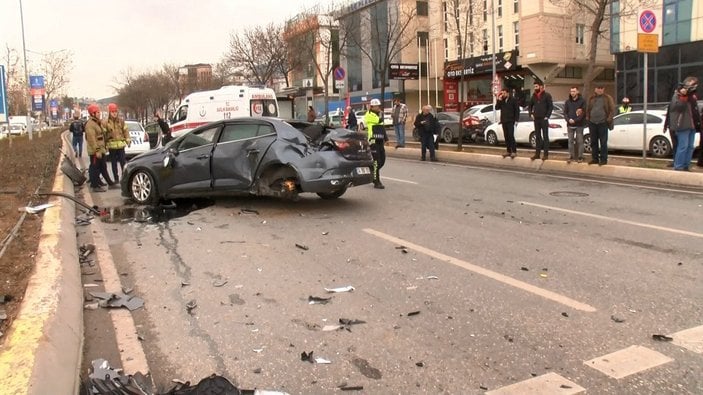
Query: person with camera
x=684, y=120
x=509, y=115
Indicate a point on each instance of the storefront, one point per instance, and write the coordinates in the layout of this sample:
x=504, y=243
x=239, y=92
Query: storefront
x=477, y=75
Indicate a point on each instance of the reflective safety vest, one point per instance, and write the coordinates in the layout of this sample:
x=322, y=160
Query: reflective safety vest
x=371, y=119
x=623, y=109
x=117, y=133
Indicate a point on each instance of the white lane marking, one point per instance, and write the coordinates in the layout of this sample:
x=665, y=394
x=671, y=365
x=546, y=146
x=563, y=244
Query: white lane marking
x=399, y=180
x=546, y=384
x=625, y=362
x=622, y=221
x=622, y=184
x=553, y=296
x=690, y=339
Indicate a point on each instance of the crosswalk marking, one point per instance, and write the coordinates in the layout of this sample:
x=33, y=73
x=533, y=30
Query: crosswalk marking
x=546, y=384
x=690, y=339
x=628, y=361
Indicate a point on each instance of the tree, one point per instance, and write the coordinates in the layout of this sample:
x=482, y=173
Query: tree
x=144, y=93
x=55, y=67
x=254, y=52
x=381, y=43
x=597, y=12
x=15, y=82
x=314, y=41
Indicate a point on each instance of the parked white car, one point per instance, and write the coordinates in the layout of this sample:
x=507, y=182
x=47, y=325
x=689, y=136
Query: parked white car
x=628, y=131
x=140, y=139
x=525, y=132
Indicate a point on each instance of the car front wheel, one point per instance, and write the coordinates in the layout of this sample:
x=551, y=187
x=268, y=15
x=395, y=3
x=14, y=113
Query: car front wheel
x=447, y=135
x=491, y=138
x=587, y=143
x=533, y=140
x=142, y=187
x=332, y=195
x=660, y=147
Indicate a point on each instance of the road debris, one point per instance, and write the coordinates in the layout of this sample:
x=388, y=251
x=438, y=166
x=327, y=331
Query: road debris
x=191, y=305
x=5, y=298
x=617, y=319
x=86, y=250
x=332, y=328
x=566, y=387
x=258, y=350
x=36, y=209
x=662, y=338
x=104, y=380
x=304, y=356
x=110, y=300
x=318, y=300
x=302, y=246
x=525, y=269
x=348, y=288
x=432, y=278
x=420, y=364
x=3, y=315
x=565, y=314
x=346, y=387
x=219, y=283
x=347, y=323
x=325, y=233
x=246, y=210
x=184, y=283
x=412, y=313
x=322, y=361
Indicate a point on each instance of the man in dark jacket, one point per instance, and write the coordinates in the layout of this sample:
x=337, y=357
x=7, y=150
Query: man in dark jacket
x=165, y=129
x=426, y=125
x=77, y=129
x=540, y=107
x=352, y=123
x=600, y=111
x=575, y=115
x=684, y=121
x=509, y=115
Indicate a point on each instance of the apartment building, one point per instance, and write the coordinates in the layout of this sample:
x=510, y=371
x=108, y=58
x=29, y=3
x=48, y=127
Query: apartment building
x=194, y=77
x=680, y=30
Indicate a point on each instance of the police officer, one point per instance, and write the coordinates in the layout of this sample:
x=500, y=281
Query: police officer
x=118, y=138
x=377, y=137
x=77, y=129
x=95, y=139
x=625, y=106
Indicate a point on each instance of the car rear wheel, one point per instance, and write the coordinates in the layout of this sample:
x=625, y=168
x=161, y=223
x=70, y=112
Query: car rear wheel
x=332, y=195
x=533, y=140
x=491, y=138
x=142, y=187
x=660, y=147
x=447, y=135
x=587, y=143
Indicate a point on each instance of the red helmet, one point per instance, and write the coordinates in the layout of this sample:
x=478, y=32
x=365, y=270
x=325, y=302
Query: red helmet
x=93, y=108
x=112, y=107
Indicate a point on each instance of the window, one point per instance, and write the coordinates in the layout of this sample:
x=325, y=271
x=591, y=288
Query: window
x=198, y=139
x=445, y=16
x=181, y=115
x=516, y=10
x=423, y=69
x=485, y=41
x=500, y=38
x=238, y=132
x=423, y=38
x=471, y=44
x=471, y=12
x=516, y=29
x=422, y=8
x=485, y=10
x=571, y=72
x=500, y=8
x=580, y=32
x=459, y=53
x=676, y=26
x=446, y=50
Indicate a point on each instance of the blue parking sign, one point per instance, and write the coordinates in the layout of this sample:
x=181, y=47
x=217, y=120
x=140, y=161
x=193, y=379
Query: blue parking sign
x=3, y=95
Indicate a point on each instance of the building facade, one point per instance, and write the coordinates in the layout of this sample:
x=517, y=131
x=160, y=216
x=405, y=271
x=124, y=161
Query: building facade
x=194, y=77
x=680, y=30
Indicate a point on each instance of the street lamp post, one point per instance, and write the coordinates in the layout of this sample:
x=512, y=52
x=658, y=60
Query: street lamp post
x=26, y=76
x=494, y=85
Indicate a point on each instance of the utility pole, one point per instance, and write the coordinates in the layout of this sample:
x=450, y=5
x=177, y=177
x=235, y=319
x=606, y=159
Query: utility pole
x=26, y=77
x=494, y=79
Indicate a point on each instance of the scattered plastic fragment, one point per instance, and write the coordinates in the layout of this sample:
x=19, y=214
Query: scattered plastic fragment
x=248, y=211
x=191, y=305
x=420, y=364
x=331, y=328
x=304, y=356
x=524, y=269
x=432, y=278
x=352, y=388
x=302, y=246
x=617, y=319
x=184, y=283
x=347, y=323
x=322, y=361
x=110, y=300
x=325, y=233
x=412, y=313
x=565, y=314
x=127, y=290
x=256, y=371
x=348, y=288
x=318, y=300
x=91, y=306
x=258, y=350
x=3, y=315
x=483, y=387
x=543, y=275
x=219, y=283
x=662, y=338
x=36, y=209
x=564, y=386
x=411, y=288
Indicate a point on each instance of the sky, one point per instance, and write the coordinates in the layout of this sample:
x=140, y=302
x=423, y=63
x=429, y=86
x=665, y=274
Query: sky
x=108, y=37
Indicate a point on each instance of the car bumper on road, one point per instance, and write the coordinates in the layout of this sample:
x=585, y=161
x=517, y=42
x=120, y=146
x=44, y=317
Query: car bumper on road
x=333, y=179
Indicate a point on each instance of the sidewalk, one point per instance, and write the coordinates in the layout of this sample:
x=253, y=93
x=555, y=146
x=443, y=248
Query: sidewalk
x=42, y=353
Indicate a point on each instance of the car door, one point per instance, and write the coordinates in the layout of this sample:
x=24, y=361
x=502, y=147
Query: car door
x=627, y=132
x=524, y=127
x=238, y=153
x=191, y=167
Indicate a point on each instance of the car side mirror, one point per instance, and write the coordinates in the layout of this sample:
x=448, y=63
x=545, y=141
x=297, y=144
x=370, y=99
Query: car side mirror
x=170, y=158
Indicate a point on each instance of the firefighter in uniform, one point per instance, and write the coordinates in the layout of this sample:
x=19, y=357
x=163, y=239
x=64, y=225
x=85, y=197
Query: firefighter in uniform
x=377, y=138
x=95, y=139
x=117, y=139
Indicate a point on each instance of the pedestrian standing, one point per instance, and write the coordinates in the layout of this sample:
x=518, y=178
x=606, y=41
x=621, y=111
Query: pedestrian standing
x=426, y=125
x=699, y=163
x=540, y=107
x=352, y=123
x=311, y=114
x=575, y=115
x=600, y=110
x=165, y=129
x=400, y=115
x=684, y=121
x=509, y=115
x=118, y=138
x=376, y=134
x=95, y=141
x=625, y=106
x=77, y=129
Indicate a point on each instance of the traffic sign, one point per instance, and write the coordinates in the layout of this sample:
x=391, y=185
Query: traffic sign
x=3, y=96
x=648, y=21
x=647, y=43
x=339, y=74
x=339, y=84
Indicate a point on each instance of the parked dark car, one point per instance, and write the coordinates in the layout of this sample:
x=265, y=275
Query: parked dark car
x=257, y=156
x=450, y=128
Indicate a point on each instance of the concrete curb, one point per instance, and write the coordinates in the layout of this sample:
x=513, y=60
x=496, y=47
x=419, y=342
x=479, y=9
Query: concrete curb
x=659, y=176
x=42, y=353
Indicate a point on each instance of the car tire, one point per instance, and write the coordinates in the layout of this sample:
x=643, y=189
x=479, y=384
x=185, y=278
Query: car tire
x=533, y=140
x=587, y=143
x=447, y=135
x=660, y=147
x=491, y=138
x=332, y=195
x=142, y=187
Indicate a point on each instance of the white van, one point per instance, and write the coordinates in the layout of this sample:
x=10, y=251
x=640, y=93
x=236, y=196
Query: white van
x=200, y=108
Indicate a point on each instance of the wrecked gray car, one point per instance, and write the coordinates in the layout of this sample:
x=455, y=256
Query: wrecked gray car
x=258, y=156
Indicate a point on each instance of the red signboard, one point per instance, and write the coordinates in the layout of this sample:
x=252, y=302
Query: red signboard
x=451, y=95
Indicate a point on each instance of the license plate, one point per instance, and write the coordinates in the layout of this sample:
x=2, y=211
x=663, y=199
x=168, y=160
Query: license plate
x=363, y=170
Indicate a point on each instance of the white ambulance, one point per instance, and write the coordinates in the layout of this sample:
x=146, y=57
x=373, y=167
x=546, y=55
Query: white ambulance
x=200, y=108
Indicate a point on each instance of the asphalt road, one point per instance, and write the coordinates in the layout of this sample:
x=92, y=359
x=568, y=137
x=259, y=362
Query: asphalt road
x=514, y=276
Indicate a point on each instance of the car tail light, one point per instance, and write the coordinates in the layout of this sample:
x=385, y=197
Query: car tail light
x=554, y=125
x=341, y=145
